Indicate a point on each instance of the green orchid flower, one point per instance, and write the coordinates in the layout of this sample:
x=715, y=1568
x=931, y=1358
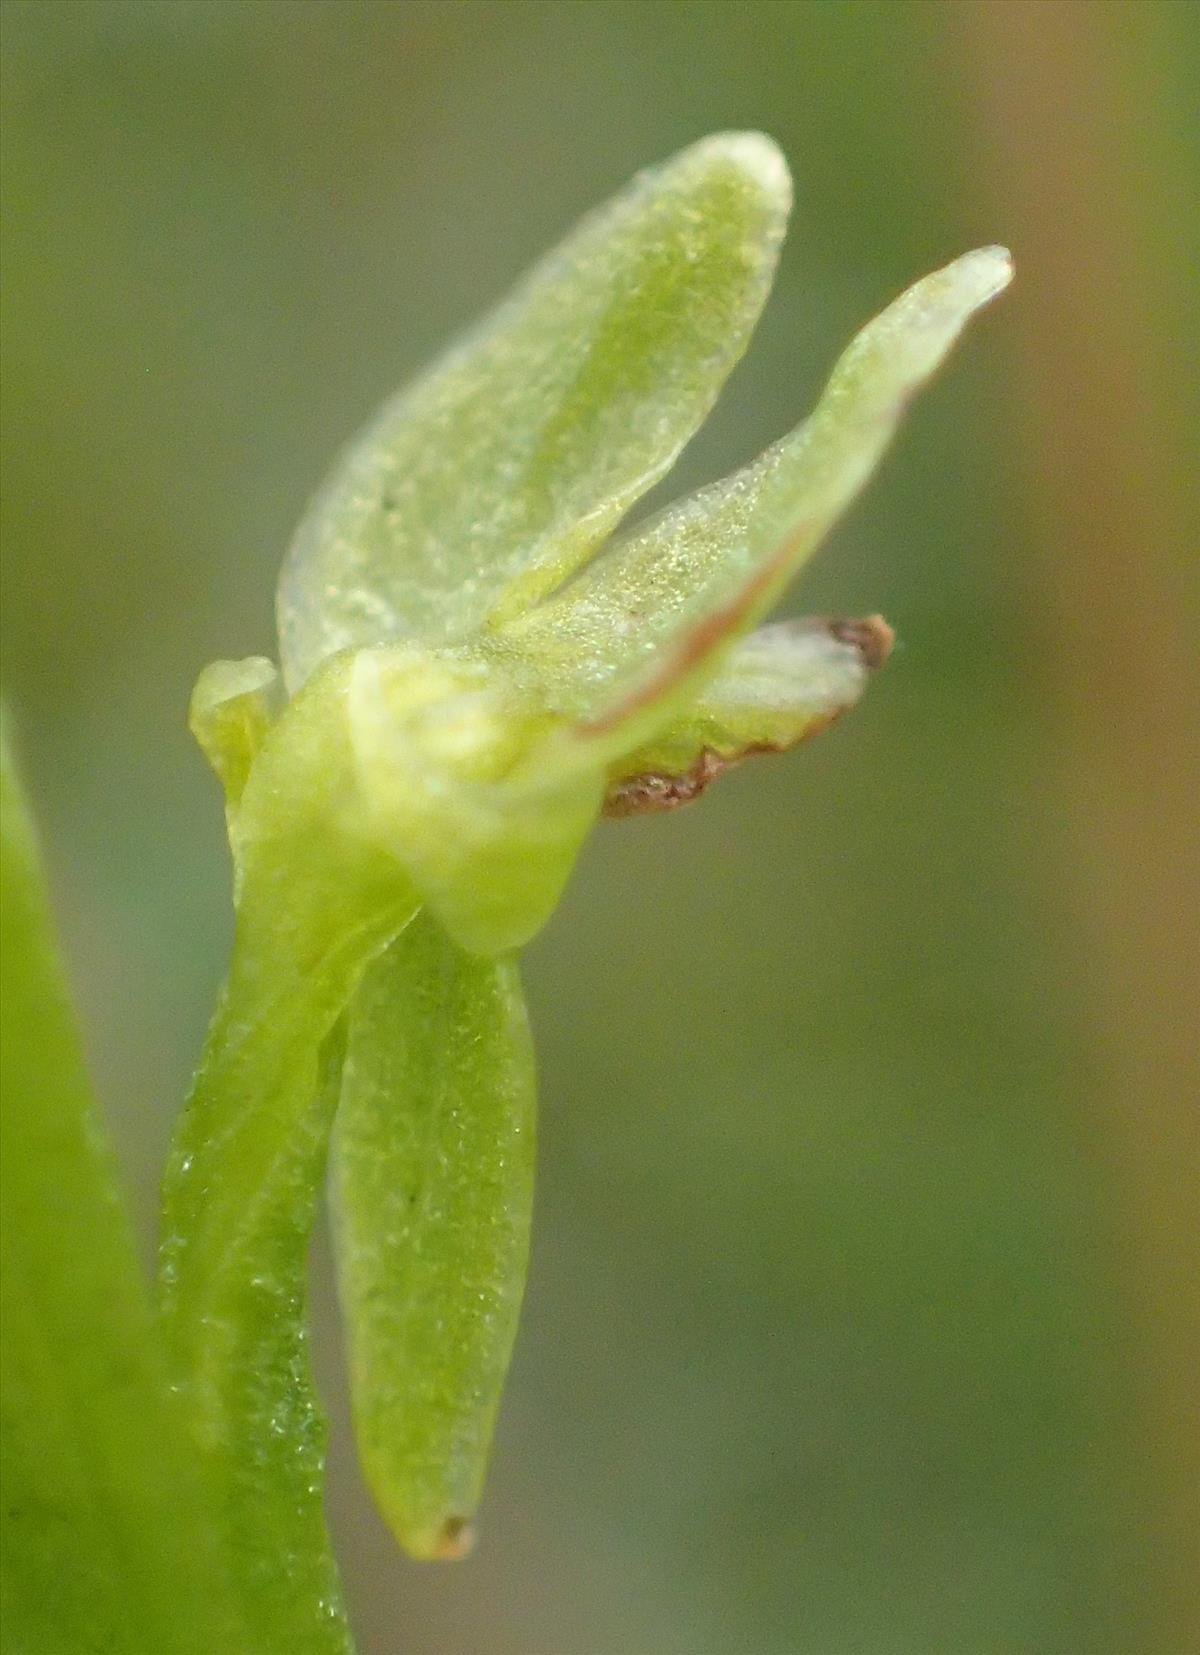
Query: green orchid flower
x=478, y=663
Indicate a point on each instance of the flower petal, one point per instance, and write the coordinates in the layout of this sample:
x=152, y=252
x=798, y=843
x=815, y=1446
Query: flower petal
x=437, y=741
x=776, y=688
x=623, y=645
x=481, y=486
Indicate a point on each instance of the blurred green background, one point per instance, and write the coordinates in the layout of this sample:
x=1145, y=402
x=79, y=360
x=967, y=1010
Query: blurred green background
x=862, y=1313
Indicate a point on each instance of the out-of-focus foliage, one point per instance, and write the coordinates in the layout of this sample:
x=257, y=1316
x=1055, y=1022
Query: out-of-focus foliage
x=857, y=1301
x=107, y=1532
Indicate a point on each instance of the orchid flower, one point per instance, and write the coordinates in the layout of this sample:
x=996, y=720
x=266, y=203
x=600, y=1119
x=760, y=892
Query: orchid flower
x=478, y=661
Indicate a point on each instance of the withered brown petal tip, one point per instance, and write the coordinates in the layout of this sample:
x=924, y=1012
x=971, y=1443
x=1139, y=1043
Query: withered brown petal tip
x=456, y=1541
x=655, y=790
x=870, y=635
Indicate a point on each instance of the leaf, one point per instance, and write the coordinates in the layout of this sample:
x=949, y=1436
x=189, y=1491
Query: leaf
x=625, y=644
x=316, y=902
x=108, y=1534
x=481, y=486
x=432, y=1190
x=778, y=687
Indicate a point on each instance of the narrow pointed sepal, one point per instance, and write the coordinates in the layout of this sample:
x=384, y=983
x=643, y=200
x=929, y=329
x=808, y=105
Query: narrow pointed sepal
x=623, y=647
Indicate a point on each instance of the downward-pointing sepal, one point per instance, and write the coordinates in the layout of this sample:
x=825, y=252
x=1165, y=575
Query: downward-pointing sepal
x=431, y=1189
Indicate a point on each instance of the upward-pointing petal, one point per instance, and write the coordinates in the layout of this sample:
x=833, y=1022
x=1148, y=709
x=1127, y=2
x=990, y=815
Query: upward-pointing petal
x=481, y=486
x=639, y=630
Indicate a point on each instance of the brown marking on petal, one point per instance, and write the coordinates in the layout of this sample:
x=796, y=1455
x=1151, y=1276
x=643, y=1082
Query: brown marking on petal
x=651, y=791
x=657, y=790
x=455, y=1542
x=870, y=635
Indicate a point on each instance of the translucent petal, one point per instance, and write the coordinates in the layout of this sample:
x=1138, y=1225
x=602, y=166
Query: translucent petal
x=431, y=1188
x=625, y=643
x=437, y=742
x=486, y=482
x=775, y=689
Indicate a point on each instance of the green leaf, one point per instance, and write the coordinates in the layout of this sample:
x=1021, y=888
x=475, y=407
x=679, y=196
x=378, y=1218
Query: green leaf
x=432, y=1189
x=108, y=1535
x=481, y=486
x=780, y=686
x=625, y=644
x=316, y=902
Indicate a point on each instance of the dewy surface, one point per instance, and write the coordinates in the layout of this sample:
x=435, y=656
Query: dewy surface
x=488, y=480
x=461, y=713
x=646, y=619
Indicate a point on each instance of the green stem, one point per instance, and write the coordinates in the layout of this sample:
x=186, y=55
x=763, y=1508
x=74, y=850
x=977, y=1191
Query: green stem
x=315, y=905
